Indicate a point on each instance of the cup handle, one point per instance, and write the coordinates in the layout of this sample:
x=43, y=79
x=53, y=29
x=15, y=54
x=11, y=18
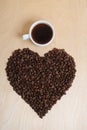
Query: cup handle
x=25, y=37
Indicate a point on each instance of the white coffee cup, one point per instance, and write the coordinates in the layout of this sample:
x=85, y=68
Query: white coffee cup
x=35, y=24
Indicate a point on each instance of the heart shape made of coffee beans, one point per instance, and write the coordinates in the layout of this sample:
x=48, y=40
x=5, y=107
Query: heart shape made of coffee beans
x=41, y=81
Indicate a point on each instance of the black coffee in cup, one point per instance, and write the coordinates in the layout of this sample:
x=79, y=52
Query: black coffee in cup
x=42, y=33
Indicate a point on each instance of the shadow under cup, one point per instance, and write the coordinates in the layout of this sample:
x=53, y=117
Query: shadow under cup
x=42, y=33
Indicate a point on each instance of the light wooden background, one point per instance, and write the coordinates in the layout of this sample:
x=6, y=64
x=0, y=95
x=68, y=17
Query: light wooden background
x=69, y=17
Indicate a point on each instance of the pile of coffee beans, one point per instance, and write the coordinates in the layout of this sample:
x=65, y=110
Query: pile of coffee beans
x=40, y=81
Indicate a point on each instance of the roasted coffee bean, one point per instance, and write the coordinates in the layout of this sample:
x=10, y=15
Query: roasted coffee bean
x=40, y=81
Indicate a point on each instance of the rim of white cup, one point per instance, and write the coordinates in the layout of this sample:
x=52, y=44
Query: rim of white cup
x=43, y=22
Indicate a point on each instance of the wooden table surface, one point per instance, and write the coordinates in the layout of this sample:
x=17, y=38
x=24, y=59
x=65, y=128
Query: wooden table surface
x=69, y=18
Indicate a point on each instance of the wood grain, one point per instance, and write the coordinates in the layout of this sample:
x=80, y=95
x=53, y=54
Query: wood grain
x=69, y=17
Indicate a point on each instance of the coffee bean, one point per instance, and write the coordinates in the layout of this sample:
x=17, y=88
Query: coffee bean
x=40, y=81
